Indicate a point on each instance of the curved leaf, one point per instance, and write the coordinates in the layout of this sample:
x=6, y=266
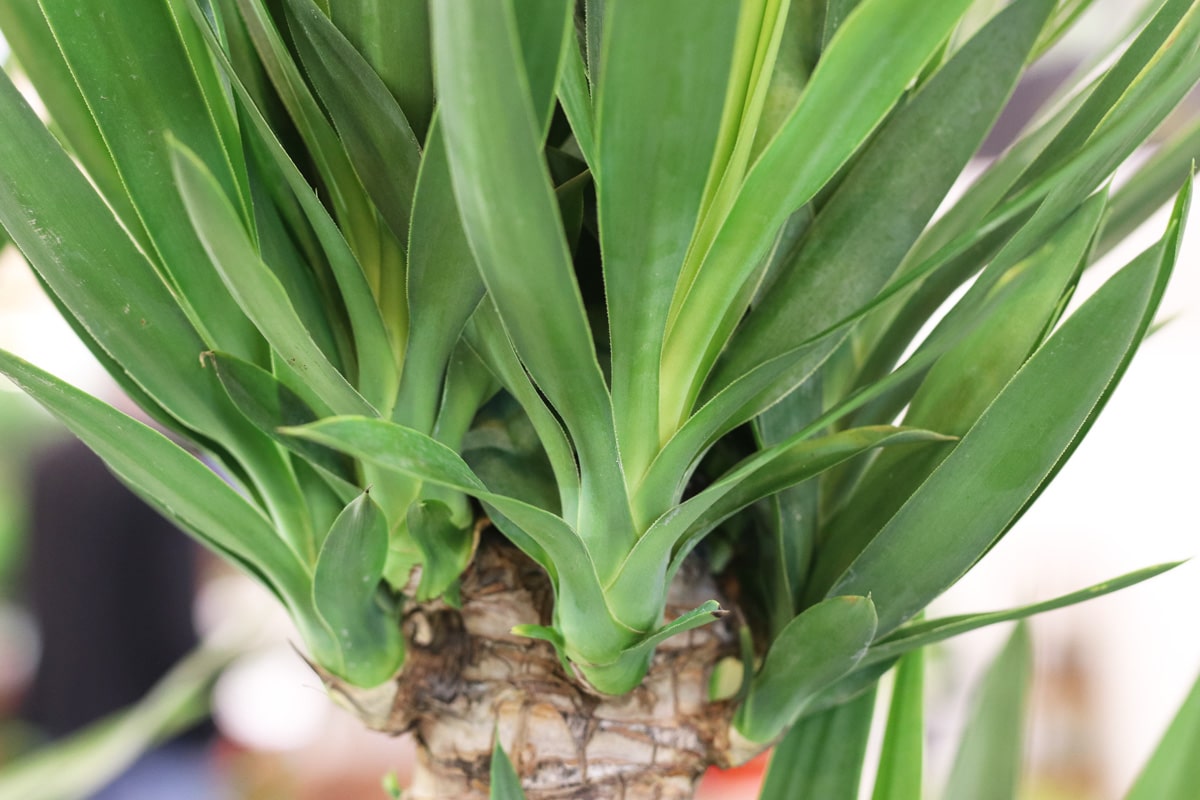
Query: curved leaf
x=169, y=478
x=369, y=644
x=511, y=217
x=379, y=142
x=814, y=650
x=255, y=287
x=1003, y=461
x=857, y=81
x=649, y=188
x=889, y=195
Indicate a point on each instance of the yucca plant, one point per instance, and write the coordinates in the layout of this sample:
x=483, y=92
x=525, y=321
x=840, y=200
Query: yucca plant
x=552, y=354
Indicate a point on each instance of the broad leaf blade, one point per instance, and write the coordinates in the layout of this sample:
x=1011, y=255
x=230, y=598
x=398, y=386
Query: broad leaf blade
x=792, y=524
x=346, y=580
x=574, y=94
x=649, y=188
x=377, y=362
x=986, y=338
x=677, y=531
x=446, y=548
x=582, y=613
x=814, y=650
x=393, y=36
x=271, y=405
x=412, y=453
x=540, y=25
x=32, y=42
x=444, y=286
x=95, y=269
x=351, y=206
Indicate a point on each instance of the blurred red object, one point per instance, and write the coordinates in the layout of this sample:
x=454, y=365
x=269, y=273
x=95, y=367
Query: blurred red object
x=739, y=783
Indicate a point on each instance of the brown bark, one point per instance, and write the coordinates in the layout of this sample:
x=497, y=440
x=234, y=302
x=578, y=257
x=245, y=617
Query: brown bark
x=466, y=676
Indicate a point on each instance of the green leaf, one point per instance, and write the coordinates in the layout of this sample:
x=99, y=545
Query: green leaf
x=922, y=634
x=792, y=521
x=413, y=453
x=377, y=363
x=94, y=270
x=287, y=246
x=170, y=479
x=351, y=206
x=505, y=783
x=1166, y=74
x=485, y=334
x=836, y=12
x=370, y=647
x=1120, y=81
x=73, y=241
x=857, y=81
x=271, y=405
x=503, y=450
x=574, y=94
x=1150, y=188
x=649, y=188
x=540, y=25
x=255, y=287
x=592, y=634
x=889, y=195
x=790, y=462
x=988, y=762
x=814, y=650
x=901, y=760
x=1173, y=771
x=633, y=662
x=393, y=36
x=381, y=145
x=29, y=37
x=822, y=755
x=986, y=338
x=511, y=218
x=446, y=548
x=1020, y=441
x=444, y=286
x=85, y=761
x=135, y=76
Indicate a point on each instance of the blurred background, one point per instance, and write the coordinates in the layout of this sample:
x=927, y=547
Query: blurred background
x=80, y=634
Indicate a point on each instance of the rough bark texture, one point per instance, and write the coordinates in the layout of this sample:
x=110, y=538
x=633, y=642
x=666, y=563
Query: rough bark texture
x=466, y=675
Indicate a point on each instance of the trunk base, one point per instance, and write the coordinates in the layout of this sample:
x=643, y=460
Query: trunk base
x=466, y=677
